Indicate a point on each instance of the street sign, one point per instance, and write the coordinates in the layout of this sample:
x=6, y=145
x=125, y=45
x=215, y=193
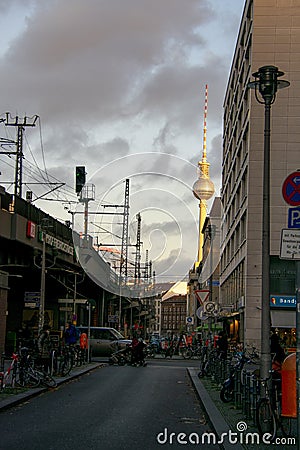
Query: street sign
x=32, y=299
x=113, y=318
x=291, y=189
x=294, y=217
x=290, y=244
x=66, y=308
x=71, y=300
x=190, y=320
x=200, y=313
x=209, y=307
x=202, y=295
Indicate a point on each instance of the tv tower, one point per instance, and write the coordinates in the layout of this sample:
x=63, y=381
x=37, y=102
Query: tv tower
x=203, y=188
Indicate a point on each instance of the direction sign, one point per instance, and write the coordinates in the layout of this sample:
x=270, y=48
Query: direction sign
x=290, y=244
x=200, y=313
x=71, y=300
x=291, y=189
x=294, y=217
x=32, y=299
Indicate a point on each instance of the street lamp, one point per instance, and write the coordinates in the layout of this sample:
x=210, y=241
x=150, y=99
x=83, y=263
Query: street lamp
x=265, y=87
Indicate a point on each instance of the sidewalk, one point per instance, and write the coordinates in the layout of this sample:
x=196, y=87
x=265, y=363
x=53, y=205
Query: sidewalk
x=22, y=394
x=225, y=418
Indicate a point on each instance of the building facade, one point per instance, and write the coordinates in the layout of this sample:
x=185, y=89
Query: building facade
x=174, y=310
x=269, y=34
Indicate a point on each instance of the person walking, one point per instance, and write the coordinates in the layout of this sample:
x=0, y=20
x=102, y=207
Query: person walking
x=222, y=345
x=71, y=334
x=44, y=347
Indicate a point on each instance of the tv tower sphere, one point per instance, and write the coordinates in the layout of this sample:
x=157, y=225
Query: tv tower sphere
x=203, y=188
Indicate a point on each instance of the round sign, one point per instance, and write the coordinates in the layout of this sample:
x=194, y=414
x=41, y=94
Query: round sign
x=291, y=189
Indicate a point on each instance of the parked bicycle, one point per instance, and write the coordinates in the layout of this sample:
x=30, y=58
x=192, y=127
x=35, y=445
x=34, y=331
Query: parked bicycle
x=268, y=409
x=189, y=352
x=207, y=361
x=237, y=363
x=30, y=373
x=8, y=376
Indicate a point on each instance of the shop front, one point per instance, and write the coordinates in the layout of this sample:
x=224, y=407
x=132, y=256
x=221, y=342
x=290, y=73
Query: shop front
x=283, y=320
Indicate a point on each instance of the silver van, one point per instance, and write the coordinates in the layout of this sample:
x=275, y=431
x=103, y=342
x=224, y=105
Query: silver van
x=104, y=340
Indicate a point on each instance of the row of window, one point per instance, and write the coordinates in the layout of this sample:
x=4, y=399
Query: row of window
x=234, y=287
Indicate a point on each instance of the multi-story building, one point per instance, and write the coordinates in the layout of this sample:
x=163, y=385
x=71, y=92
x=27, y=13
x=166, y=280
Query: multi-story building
x=269, y=34
x=173, y=310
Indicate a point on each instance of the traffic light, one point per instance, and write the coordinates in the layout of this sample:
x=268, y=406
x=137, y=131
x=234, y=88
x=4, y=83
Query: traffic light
x=80, y=178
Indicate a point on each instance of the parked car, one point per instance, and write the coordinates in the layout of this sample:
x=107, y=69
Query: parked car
x=104, y=340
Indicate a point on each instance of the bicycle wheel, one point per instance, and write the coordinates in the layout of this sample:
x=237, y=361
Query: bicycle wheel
x=265, y=418
x=48, y=380
x=65, y=367
x=286, y=425
x=27, y=378
x=226, y=394
x=184, y=353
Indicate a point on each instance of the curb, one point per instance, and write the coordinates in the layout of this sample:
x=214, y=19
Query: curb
x=17, y=399
x=215, y=418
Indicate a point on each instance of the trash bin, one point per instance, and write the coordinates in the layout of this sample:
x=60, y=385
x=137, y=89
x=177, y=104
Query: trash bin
x=288, y=387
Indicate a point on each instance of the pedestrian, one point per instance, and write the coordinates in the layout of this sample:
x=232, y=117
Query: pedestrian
x=222, y=345
x=44, y=347
x=71, y=334
x=277, y=352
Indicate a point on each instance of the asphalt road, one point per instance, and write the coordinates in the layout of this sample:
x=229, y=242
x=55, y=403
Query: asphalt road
x=115, y=408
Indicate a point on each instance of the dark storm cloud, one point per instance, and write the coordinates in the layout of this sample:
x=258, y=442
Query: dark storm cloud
x=107, y=75
x=90, y=57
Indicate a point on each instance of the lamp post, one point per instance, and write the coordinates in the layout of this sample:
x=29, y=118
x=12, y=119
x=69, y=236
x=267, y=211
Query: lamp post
x=43, y=279
x=266, y=84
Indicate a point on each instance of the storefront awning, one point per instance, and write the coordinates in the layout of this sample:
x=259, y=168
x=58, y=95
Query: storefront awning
x=283, y=319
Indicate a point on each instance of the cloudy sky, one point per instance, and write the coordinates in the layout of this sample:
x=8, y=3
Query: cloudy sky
x=110, y=79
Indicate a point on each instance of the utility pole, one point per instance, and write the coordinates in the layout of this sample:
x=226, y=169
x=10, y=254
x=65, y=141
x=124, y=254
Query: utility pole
x=124, y=247
x=20, y=125
x=147, y=266
x=137, y=267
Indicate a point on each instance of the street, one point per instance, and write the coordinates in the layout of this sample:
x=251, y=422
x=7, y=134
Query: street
x=111, y=408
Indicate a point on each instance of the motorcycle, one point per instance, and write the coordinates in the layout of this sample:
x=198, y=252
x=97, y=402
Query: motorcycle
x=121, y=357
x=134, y=356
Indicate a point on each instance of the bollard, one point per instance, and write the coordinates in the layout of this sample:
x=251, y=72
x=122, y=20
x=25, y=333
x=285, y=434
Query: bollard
x=247, y=395
x=238, y=389
x=288, y=387
x=243, y=391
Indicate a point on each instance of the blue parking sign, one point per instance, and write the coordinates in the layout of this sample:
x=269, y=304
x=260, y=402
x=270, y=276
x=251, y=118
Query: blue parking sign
x=294, y=217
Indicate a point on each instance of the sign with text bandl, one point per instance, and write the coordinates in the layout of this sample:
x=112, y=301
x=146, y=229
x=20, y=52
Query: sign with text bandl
x=290, y=244
x=283, y=301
